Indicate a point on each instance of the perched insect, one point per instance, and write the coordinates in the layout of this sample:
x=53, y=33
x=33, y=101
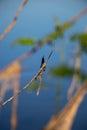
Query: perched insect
x=42, y=61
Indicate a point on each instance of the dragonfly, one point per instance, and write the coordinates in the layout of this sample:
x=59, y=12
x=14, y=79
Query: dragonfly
x=42, y=61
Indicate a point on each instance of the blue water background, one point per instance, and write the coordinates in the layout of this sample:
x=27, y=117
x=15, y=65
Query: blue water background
x=37, y=20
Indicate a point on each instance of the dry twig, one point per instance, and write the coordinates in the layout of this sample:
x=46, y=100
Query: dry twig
x=39, y=73
x=12, y=24
x=25, y=87
x=76, y=75
x=64, y=120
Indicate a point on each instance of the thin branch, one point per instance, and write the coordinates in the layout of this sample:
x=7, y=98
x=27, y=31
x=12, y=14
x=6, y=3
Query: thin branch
x=12, y=24
x=25, y=87
x=38, y=90
x=39, y=73
x=79, y=15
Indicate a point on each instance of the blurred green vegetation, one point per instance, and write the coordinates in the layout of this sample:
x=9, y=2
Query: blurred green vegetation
x=26, y=41
x=82, y=40
x=65, y=71
x=57, y=33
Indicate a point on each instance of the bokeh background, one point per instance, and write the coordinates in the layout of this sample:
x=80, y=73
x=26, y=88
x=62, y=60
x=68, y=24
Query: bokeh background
x=36, y=20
